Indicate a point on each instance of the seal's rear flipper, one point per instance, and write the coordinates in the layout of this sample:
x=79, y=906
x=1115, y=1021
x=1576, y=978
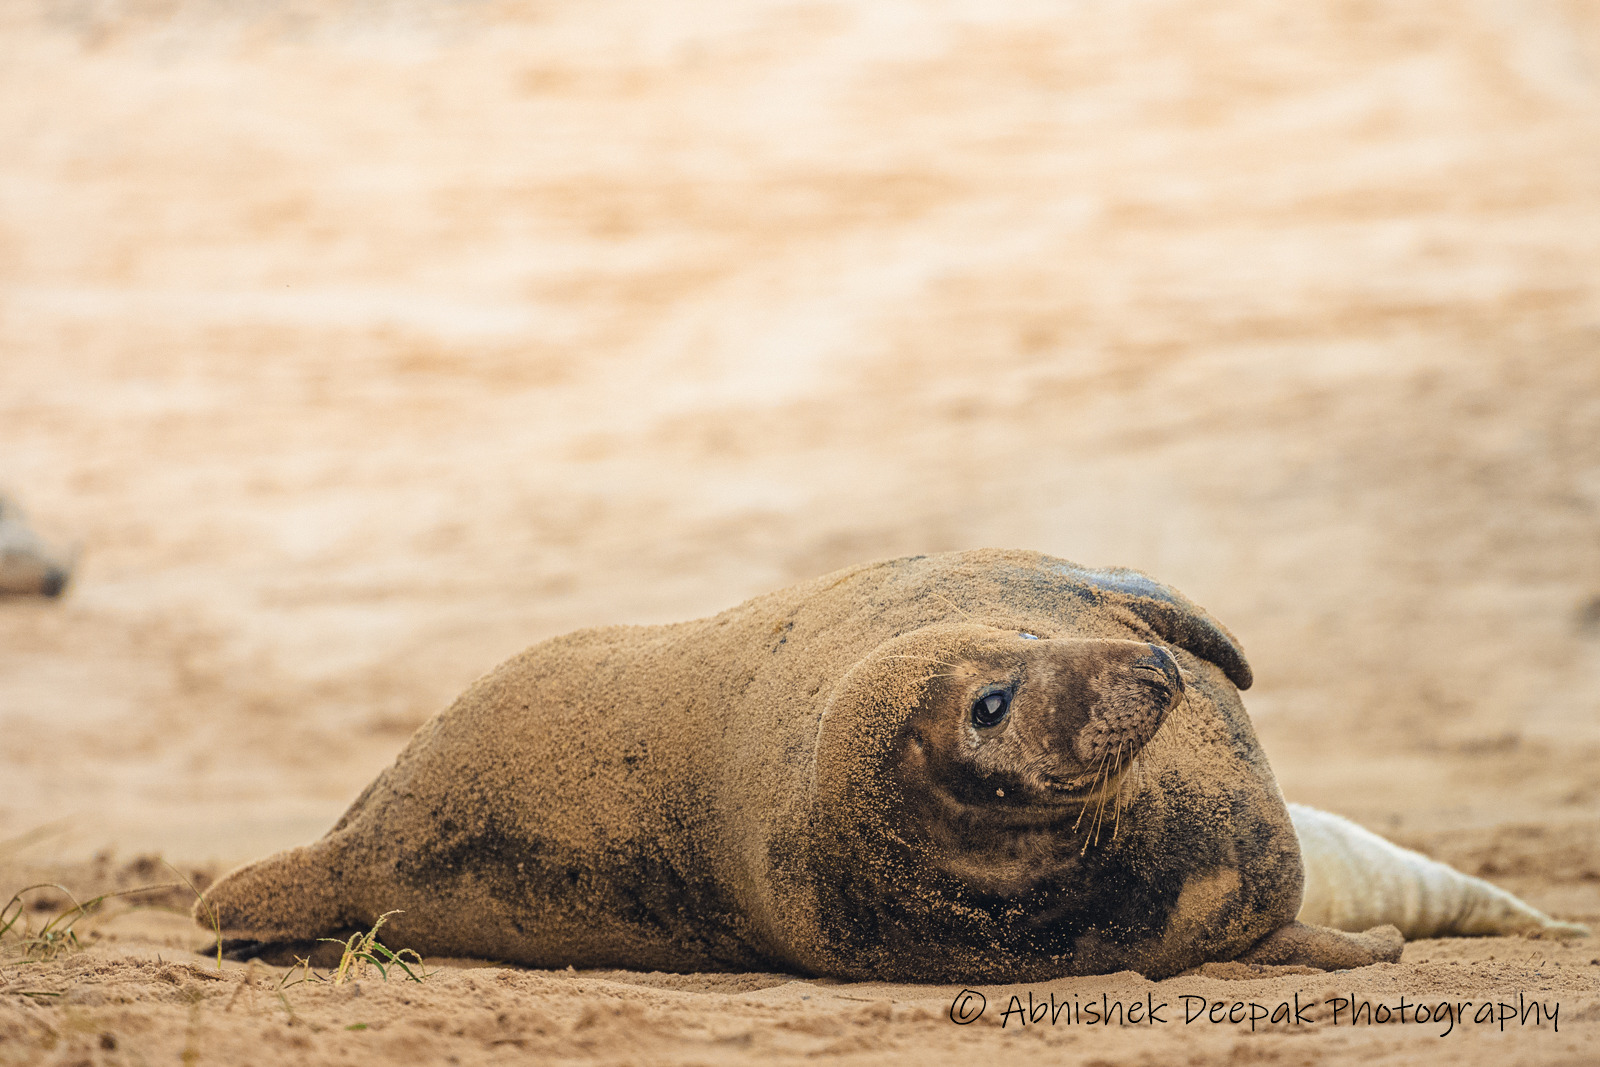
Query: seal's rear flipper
x=297, y=895
x=1329, y=950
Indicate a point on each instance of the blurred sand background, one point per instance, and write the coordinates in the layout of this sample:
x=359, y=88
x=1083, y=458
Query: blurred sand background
x=362, y=344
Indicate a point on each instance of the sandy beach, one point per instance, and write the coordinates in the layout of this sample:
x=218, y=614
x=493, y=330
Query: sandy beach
x=358, y=345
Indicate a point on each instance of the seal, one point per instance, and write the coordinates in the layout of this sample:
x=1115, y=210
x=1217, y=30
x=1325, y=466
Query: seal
x=1356, y=879
x=27, y=566
x=989, y=765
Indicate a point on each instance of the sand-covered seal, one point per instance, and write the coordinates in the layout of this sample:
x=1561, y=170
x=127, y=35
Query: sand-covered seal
x=988, y=765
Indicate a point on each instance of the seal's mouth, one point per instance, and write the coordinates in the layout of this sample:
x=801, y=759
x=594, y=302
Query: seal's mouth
x=1088, y=786
x=1098, y=779
x=1080, y=784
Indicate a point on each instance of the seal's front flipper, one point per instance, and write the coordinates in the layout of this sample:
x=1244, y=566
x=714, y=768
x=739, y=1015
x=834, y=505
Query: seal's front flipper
x=297, y=895
x=1330, y=950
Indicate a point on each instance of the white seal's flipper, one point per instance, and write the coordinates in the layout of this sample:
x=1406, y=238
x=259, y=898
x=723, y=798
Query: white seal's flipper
x=1356, y=880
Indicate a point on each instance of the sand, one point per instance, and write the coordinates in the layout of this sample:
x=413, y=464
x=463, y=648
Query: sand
x=361, y=345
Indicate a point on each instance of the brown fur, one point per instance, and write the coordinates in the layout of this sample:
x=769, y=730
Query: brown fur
x=798, y=784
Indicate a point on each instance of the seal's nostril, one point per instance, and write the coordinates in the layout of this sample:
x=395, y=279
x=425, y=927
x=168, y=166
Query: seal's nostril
x=1160, y=661
x=1170, y=667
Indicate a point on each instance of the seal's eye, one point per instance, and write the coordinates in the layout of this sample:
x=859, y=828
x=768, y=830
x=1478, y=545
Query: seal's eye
x=989, y=709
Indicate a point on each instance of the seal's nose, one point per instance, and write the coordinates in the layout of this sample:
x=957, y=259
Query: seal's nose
x=1160, y=659
x=1131, y=707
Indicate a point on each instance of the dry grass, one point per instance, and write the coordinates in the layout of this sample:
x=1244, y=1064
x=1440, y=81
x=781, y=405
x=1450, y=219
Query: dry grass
x=21, y=943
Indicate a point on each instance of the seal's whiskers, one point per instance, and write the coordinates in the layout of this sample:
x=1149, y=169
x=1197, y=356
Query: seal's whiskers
x=1099, y=815
x=924, y=659
x=1098, y=768
x=964, y=613
x=956, y=669
x=1127, y=782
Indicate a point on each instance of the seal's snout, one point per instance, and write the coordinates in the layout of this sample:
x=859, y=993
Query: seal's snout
x=1134, y=700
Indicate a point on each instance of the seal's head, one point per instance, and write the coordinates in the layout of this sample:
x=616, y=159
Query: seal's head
x=1023, y=751
x=1027, y=722
x=1053, y=774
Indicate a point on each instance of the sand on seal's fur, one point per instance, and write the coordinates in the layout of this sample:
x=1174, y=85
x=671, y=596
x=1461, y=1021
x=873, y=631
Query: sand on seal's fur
x=752, y=791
